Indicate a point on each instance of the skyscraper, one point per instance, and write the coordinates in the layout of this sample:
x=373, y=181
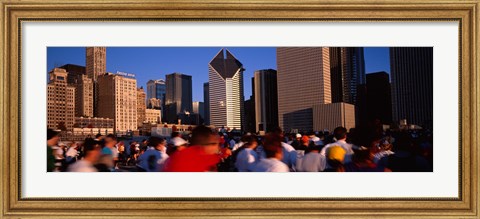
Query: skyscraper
x=83, y=89
x=412, y=84
x=199, y=108
x=60, y=101
x=96, y=61
x=156, y=89
x=178, y=96
x=225, y=78
x=347, y=70
x=379, y=98
x=303, y=80
x=117, y=98
x=96, y=65
x=141, y=106
x=266, y=100
x=206, y=101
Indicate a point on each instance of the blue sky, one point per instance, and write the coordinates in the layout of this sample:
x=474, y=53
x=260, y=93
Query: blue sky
x=156, y=62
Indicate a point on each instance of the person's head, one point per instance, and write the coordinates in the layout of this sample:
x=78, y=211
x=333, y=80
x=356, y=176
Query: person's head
x=340, y=133
x=157, y=143
x=175, y=134
x=98, y=136
x=204, y=136
x=52, y=137
x=91, y=148
x=335, y=157
x=250, y=141
x=110, y=140
x=305, y=140
x=298, y=136
x=272, y=145
x=278, y=131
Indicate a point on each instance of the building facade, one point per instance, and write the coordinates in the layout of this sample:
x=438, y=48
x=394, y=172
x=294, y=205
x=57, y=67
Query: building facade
x=83, y=89
x=199, y=108
x=154, y=103
x=85, y=122
x=412, y=85
x=206, y=101
x=266, y=100
x=303, y=80
x=60, y=101
x=117, y=97
x=330, y=116
x=379, y=98
x=347, y=70
x=225, y=80
x=178, y=95
x=96, y=62
x=156, y=89
x=141, y=106
x=153, y=115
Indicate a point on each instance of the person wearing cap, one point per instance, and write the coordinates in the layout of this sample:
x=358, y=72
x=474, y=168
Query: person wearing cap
x=52, y=141
x=274, y=153
x=177, y=143
x=340, y=133
x=92, y=150
x=335, y=159
x=201, y=156
x=153, y=159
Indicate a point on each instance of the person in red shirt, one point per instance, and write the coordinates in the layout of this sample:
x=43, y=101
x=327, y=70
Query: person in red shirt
x=201, y=156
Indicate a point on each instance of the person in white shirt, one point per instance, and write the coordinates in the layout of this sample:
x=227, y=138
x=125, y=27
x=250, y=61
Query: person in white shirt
x=289, y=157
x=92, y=152
x=273, y=152
x=313, y=161
x=247, y=156
x=340, y=133
x=153, y=159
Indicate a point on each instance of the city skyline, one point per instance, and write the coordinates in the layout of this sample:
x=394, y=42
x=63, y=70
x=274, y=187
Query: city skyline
x=153, y=63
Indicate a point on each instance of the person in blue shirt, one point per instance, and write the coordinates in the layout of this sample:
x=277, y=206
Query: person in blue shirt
x=154, y=157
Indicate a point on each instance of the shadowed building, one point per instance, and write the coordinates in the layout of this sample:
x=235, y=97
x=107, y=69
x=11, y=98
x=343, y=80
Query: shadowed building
x=178, y=96
x=206, y=100
x=266, y=100
x=225, y=79
x=379, y=98
x=83, y=89
x=303, y=80
x=412, y=85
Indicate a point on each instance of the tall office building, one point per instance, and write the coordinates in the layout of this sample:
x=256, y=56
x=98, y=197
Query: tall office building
x=117, y=97
x=96, y=61
x=199, y=108
x=178, y=96
x=206, y=101
x=60, y=101
x=96, y=64
x=266, y=100
x=156, y=89
x=83, y=89
x=412, y=84
x=347, y=70
x=379, y=98
x=225, y=78
x=303, y=80
x=141, y=106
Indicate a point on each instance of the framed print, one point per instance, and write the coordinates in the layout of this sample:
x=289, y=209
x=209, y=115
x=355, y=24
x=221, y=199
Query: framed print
x=182, y=109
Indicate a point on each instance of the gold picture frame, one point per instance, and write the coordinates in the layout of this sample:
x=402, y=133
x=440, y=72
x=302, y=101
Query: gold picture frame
x=14, y=13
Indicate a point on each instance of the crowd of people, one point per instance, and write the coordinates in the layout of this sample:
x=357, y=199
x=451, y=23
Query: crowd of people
x=362, y=149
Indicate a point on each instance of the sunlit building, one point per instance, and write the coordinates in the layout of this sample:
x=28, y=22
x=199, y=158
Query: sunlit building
x=60, y=101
